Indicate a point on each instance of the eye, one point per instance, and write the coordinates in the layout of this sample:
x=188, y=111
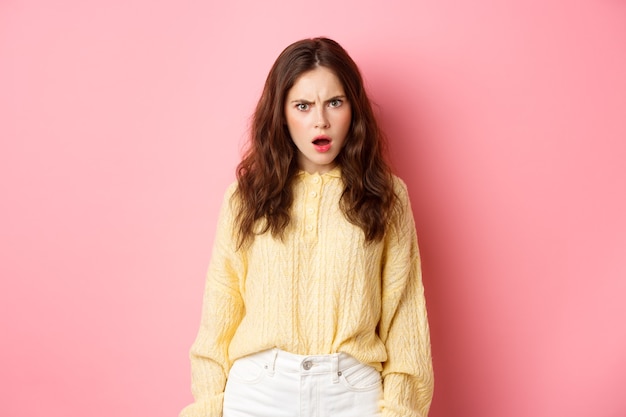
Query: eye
x=302, y=106
x=335, y=103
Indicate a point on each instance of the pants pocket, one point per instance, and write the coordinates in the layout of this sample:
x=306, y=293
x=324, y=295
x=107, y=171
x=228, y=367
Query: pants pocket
x=247, y=371
x=245, y=389
x=360, y=377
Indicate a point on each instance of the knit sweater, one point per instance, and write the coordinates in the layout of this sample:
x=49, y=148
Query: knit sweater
x=320, y=290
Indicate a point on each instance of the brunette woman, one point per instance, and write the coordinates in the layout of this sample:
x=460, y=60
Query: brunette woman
x=314, y=304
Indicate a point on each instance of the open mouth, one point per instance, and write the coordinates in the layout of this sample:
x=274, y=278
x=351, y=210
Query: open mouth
x=322, y=143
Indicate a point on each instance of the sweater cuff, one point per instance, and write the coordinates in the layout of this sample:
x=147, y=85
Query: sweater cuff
x=406, y=395
x=394, y=410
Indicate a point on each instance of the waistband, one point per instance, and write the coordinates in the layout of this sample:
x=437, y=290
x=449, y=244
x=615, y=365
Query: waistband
x=276, y=359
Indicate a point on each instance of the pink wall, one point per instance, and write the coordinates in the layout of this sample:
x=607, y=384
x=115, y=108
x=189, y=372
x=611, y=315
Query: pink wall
x=121, y=123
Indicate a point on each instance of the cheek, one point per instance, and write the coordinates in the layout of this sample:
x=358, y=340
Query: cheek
x=296, y=125
x=293, y=123
x=346, y=120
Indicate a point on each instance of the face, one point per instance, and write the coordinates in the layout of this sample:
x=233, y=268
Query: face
x=318, y=118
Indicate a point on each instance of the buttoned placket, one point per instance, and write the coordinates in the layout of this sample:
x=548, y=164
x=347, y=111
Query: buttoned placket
x=311, y=205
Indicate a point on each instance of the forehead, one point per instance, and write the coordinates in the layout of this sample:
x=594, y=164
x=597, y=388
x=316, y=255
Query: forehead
x=318, y=81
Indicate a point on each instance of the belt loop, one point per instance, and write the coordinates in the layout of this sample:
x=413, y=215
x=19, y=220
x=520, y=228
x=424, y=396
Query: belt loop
x=334, y=367
x=275, y=359
x=271, y=367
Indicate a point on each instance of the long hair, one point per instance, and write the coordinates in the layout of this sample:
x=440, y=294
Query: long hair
x=266, y=172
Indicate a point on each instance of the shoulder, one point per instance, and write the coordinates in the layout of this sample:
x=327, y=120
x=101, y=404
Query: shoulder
x=402, y=211
x=229, y=198
x=400, y=189
x=231, y=189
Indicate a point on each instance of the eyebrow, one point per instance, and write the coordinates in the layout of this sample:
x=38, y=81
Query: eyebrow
x=340, y=97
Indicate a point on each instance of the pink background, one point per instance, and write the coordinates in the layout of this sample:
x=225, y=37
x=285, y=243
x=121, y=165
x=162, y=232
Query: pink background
x=121, y=123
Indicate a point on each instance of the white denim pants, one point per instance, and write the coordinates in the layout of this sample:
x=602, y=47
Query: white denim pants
x=274, y=383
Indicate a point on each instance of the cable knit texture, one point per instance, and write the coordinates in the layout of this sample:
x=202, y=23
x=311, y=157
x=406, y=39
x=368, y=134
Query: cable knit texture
x=320, y=290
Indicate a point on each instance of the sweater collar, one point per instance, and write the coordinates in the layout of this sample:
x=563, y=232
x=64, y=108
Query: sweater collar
x=333, y=173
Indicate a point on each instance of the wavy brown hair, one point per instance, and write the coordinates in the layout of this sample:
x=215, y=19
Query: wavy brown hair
x=265, y=174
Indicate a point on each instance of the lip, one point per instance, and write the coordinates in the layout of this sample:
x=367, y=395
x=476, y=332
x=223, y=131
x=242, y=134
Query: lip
x=324, y=146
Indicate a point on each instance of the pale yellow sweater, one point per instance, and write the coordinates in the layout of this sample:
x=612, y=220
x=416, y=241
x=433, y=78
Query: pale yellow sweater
x=321, y=290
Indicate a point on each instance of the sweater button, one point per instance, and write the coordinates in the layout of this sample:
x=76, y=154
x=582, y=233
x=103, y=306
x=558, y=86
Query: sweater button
x=307, y=365
x=313, y=194
x=309, y=228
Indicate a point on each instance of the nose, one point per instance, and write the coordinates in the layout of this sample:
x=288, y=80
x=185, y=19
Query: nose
x=322, y=120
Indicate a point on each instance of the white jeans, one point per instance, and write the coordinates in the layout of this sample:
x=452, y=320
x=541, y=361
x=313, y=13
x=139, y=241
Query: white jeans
x=274, y=383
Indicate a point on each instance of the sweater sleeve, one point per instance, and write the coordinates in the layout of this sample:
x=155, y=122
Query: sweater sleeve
x=407, y=373
x=222, y=311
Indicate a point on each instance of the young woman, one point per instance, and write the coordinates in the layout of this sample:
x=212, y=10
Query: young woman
x=314, y=304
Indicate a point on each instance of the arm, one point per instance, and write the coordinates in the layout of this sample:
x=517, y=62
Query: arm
x=407, y=373
x=222, y=311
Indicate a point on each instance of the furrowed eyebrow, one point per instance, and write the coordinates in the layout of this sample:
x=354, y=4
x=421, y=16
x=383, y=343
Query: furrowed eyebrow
x=303, y=101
